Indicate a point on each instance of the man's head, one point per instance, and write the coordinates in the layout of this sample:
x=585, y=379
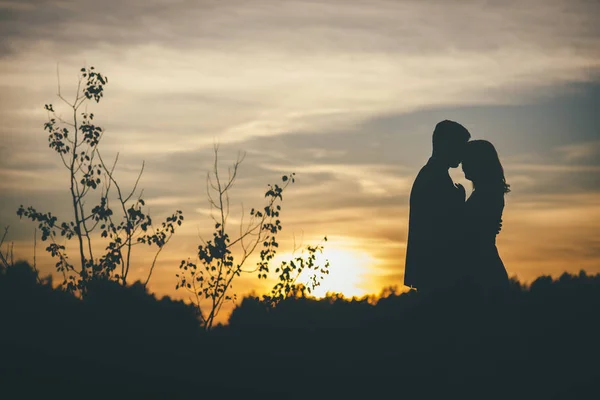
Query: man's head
x=449, y=140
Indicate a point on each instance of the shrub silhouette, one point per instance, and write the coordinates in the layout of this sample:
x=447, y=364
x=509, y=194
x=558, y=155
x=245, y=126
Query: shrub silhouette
x=209, y=280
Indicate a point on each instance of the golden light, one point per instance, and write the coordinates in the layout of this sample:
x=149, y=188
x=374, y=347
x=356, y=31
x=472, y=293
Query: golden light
x=347, y=272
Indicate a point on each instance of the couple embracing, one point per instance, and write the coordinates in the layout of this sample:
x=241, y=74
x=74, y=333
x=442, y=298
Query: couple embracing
x=452, y=240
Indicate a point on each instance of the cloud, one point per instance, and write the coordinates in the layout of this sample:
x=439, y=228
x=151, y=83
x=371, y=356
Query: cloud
x=410, y=26
x=555, y=168
x=580, y=151
x=376, y=180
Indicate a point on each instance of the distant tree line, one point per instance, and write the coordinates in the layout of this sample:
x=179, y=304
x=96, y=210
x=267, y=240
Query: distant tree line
x=539, y=341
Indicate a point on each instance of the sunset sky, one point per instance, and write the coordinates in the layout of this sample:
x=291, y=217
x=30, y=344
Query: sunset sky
x=344, y=94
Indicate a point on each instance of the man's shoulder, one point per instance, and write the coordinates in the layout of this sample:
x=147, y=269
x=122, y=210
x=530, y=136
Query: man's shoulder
x=428, y=175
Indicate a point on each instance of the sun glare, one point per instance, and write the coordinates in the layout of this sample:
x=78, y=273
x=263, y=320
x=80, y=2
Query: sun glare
x=346, y=272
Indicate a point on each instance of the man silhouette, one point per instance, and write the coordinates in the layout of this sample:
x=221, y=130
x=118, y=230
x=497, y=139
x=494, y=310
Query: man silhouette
x=436, y=206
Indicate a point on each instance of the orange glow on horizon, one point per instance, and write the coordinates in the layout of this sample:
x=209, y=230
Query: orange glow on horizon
x=348, y=270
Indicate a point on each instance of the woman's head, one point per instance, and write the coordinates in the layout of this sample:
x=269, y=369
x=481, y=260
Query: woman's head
x=482, y=166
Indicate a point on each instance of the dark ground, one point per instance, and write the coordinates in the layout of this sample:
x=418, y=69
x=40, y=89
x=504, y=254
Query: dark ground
x=540, y=342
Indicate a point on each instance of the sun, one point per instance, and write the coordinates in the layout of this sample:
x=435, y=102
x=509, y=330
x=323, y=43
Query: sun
x=347, y=272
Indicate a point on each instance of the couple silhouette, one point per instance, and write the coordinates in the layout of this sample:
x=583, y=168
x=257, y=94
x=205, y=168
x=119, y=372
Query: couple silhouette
x=452, y=241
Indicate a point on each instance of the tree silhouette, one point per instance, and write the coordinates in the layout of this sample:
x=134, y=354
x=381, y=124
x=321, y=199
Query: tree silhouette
x=210, y=279
x=90, y=180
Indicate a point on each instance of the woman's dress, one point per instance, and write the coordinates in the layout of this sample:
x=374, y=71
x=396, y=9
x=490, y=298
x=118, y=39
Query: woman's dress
x=484, y=267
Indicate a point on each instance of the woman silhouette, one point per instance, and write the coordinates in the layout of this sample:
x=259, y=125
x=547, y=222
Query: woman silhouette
x=483, y=213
